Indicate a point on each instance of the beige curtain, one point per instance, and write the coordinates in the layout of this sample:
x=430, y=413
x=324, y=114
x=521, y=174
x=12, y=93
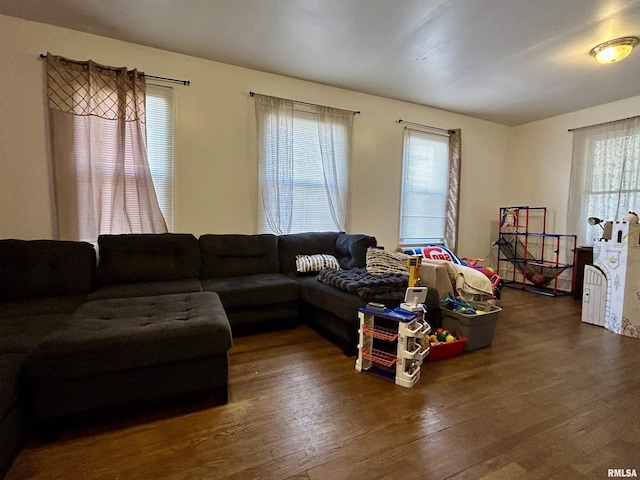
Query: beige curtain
x=102, y=181
x=453, y=195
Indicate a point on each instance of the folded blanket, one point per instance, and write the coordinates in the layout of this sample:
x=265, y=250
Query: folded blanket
x=386, y=286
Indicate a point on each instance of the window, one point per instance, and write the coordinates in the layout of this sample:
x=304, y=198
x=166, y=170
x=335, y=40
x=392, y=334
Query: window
x=303, y=166
x=159, y=143
x=425, y=188
x=311, y=210
x=160, y=124
x=605, y=176
x=101, y=175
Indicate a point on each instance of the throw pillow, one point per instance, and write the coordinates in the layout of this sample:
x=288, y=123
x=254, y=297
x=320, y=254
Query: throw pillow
x=382, y=261
x=315, y=263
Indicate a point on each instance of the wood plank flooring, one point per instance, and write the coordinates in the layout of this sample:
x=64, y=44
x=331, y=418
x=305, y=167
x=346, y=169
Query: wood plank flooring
x=552, y=398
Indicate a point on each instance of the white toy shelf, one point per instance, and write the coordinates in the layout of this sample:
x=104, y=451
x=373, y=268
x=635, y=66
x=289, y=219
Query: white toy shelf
x=387, y=342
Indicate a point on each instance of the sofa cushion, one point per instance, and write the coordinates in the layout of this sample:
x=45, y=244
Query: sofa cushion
x=330, y=299
x=18, y=337
x=22, y=334
x=310, y=243
x=351, y=249
x=236, y=255
x=43, y=268
x=10, y=364
x=41, y=306
x=147, y=258
x=12, y=436
x=251, y=290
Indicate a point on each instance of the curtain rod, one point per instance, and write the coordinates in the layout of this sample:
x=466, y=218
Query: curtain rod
x=355, y=112
x=166, y=79
x=603, y=123
x=445, y=130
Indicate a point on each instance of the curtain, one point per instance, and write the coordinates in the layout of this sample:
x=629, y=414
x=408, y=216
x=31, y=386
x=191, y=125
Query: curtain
x=334, y=131
x=304, y=157
x=453, y=195
x=605, y=176
x=274, y=120
x=102, y=181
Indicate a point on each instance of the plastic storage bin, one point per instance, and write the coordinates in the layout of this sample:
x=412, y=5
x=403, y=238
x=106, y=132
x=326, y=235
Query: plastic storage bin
x=477, y=328
x=446, y=350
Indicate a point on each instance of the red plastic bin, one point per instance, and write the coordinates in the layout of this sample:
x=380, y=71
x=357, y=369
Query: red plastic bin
x=446, y=350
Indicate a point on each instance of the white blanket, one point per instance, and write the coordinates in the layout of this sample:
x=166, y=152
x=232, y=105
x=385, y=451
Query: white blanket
x=467, y=282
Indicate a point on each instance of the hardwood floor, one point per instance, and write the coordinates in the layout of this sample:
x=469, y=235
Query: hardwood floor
x=552, y=398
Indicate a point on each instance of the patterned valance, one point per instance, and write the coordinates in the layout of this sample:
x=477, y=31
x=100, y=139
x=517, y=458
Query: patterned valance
x=87, y=88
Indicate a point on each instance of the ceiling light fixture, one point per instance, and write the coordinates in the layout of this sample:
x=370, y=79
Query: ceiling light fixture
x=614, y=50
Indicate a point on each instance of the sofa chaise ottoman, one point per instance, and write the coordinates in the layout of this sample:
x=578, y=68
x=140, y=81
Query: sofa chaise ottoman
x=121, y=353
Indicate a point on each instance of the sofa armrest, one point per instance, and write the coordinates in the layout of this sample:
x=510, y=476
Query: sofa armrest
x=435, y=274
x=351, y=249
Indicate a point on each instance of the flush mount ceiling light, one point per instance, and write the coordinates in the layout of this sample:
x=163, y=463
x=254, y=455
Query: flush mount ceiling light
x=614, y=50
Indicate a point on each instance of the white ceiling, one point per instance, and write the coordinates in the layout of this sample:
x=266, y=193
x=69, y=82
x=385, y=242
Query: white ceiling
x=507, y=61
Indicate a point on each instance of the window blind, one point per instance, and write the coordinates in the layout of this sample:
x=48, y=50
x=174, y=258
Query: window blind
x=425, y=185
x=160, y=146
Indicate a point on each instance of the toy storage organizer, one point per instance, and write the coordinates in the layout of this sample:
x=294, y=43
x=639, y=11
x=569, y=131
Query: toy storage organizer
x=531, y=259
x=387, y=344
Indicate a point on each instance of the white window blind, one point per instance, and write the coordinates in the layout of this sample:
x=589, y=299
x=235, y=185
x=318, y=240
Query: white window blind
x=310, y=203
x=425, y=185
x=160, y=153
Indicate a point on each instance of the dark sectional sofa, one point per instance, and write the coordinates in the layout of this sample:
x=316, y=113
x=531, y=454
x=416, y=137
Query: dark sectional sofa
x=150, y=318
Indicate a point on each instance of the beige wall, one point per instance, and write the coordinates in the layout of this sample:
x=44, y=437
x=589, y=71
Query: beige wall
x=216, y=164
